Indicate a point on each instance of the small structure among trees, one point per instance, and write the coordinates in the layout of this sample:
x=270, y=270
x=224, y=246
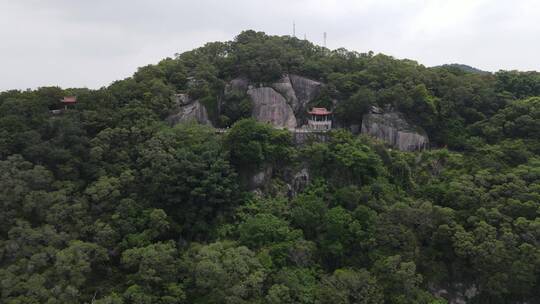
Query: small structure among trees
x=320, y=119
x=68, y=100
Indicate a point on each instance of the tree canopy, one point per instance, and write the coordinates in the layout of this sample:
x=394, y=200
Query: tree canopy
x=107, y=203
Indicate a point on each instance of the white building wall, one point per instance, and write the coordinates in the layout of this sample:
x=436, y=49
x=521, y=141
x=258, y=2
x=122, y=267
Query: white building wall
x=320, y=125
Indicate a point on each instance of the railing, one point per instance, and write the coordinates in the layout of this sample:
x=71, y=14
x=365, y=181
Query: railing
x=319, y=125
x=292, y=130
x=300, y=136
x=302, y=131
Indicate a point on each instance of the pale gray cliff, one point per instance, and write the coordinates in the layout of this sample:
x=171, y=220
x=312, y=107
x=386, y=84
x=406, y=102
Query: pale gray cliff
x=188, y=110
x=260, y=178
x=285, y=88
x=271, y=107
x=238, y=84
x=279, y=103
x=456, y=293
x=299, y=182
x=306, y=90
x=393, y=128
x=181, y=99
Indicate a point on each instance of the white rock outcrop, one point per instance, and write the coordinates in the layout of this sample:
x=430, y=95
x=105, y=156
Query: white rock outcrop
x=194, y=111
x=271, y=107
x=182, y=99
x=392, y=128
x=285, y=88
x=299, y=182
x=279, y=103
x=306, y=90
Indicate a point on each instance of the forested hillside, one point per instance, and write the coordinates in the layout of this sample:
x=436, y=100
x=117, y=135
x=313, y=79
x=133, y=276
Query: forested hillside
x=108, y=203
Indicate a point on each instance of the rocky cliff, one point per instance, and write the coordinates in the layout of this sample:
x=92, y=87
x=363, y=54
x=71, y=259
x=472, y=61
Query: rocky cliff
x=188, y=110
x=306, y=90
x=279, y=103
x=285, y=88
x=299, y=182
x=237, y=84
x=271, y=107
x=393, y=128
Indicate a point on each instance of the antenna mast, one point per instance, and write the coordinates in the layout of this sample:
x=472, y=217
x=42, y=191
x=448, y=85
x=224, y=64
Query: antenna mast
x=324, y=36
x=294, y=29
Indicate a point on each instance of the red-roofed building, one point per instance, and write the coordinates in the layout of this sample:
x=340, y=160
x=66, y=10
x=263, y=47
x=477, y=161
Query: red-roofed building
x=319, y=112
x=68, y=100
x=320, y=119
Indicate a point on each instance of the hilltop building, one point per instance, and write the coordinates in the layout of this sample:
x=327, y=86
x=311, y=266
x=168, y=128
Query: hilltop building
x=320, y=119
x=68, y=100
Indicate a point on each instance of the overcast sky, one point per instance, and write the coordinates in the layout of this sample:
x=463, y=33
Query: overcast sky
x=82, y=43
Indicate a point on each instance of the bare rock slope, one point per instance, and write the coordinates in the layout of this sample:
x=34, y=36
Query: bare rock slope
x=279, y=103
x=188, y=110
x=271, y=107
x=306, y=90
x=392, y=128
x=285, y=88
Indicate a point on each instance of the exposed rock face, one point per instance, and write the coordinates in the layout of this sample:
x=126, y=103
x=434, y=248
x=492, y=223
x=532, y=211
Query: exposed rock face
x=281, y=102
x=457, y=293
x=306, y=90
x=194, y=111
x=260, y=178
x=238, y=84
x=299, y=182
x=278, y=104
x=285, y=88
x=395, y=130
x=271, y=107
x=182, y=99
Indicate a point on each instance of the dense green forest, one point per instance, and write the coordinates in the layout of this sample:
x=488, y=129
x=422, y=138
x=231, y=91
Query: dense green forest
x=106, y=203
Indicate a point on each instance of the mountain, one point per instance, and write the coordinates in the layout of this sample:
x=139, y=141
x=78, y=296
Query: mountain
x=196, y=180
x=464, y=68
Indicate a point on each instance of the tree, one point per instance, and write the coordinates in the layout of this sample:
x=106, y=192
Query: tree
x=352, y=110
x=184, y=172
x=252, y=144
x=263, y=229
x=106, y=203
x=74, y=267
x=400, y=281
x=223, y=272
x=347, y=286
x=154, y=274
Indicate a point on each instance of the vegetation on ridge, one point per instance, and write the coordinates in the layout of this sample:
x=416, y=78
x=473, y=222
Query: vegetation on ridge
x=106, y=203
